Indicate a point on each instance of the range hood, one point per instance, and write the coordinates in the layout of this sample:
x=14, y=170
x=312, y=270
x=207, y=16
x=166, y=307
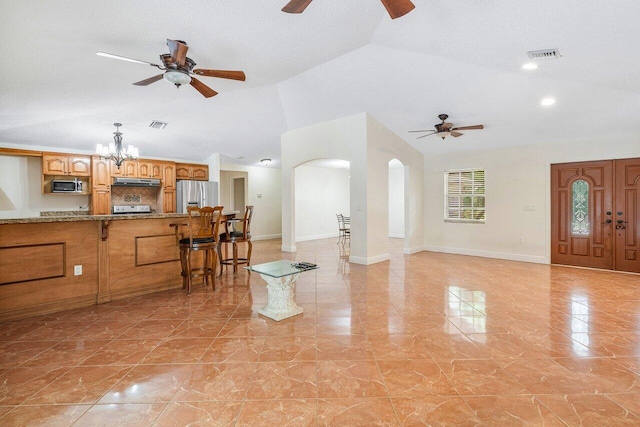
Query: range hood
x=136, y=182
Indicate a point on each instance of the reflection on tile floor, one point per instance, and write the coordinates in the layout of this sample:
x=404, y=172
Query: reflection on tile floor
x=426, y=339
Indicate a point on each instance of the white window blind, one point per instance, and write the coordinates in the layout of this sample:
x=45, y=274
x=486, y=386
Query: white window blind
x=464, y=196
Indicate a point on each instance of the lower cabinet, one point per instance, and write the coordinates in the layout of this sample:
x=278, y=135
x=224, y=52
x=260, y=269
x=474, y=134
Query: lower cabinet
x=169, y=201
x=100, y=202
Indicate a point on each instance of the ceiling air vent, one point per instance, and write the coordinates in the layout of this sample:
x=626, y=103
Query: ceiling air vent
x=157, y=124
x=544, y=54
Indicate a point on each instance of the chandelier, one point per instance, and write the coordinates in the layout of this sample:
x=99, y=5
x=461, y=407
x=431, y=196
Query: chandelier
x=114, y=150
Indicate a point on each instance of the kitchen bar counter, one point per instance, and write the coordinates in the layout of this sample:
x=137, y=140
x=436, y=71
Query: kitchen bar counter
x=55, y=263
x=76, y=218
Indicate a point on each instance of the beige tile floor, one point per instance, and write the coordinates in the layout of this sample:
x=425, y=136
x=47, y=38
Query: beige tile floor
x=426, y=339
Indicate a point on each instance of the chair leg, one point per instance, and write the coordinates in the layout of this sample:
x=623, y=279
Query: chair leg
x=235, y=258
x=214, y=257
x=188, y=264
x=183, y=266
x=249, y=248
x=220, y=257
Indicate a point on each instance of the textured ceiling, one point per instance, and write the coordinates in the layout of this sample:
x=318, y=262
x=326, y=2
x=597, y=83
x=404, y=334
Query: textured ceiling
x=338, y=58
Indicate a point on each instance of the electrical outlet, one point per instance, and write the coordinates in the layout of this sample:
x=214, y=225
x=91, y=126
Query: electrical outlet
x=77, y=270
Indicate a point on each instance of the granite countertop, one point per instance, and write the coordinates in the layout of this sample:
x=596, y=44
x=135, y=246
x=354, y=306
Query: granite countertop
x=73, y=216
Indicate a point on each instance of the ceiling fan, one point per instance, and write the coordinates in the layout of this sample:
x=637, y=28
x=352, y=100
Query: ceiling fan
x=178, y=69
x=396, y=8
x=445, y=129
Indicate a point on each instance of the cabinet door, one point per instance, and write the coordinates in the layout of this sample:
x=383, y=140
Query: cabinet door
x=100, y=176
x=183, y=171
x=54, y=164
x=115, y=171
x=79, y=165
x=130, y=169
x=156, y=170
x=100, y=202
x=169, y=175
x=169, y=201
x=144, y=170
x=200, y=172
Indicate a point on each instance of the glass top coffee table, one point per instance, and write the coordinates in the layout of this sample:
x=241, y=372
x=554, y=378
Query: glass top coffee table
x=281, y=279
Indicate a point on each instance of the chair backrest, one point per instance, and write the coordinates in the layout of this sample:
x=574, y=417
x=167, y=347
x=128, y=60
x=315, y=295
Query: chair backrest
x=204, y=222
x=346, y=220
x=246, y=222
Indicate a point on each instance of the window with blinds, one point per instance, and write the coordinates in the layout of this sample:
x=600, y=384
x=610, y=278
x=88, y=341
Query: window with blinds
x=464, y=196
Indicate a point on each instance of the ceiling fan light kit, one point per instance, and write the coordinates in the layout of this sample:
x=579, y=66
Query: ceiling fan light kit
x=178, y=78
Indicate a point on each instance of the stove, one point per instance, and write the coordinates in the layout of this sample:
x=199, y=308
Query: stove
x=132, y=209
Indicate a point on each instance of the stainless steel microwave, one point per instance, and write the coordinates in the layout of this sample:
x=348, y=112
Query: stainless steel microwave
x=63, y=186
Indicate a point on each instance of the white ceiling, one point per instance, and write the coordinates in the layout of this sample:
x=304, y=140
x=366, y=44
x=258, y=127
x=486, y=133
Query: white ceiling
x=339, y=58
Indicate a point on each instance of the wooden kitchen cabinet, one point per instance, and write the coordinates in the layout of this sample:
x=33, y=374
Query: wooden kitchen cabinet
x=169, y=201
x=100, y=173
x=100, y=202
x=128, y=168
x=169, y=176
x=64, y=164
x=192, y=171
x=148, y=169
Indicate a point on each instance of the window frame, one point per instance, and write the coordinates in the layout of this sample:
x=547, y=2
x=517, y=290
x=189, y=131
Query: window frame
x=460, y=209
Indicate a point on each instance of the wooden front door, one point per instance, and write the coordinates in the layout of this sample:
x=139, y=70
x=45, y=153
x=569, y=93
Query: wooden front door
x=595, y=214
x=581, y=197
x=626, y=219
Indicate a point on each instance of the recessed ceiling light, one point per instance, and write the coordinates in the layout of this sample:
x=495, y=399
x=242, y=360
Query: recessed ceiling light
x=547, y=101
x=530, y=66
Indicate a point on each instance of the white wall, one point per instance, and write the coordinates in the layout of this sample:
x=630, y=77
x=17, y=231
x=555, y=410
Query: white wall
x=264, y=193
x=21, y=183
x=515, y=178
x=320, y=194
x=369, y=147
x=396, y=202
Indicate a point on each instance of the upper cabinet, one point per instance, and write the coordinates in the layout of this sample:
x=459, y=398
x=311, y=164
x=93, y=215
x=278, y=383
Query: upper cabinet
x=100, y=173
x=149, y=169
x=192, y=171
x=138, y=169
x=129, y=168
x=169, y=175
x=66, y=164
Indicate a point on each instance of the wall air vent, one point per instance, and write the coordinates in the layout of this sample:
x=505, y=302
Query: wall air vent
x=157, y=124
x=544, y=54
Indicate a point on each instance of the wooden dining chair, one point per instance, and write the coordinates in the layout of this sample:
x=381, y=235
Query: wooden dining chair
x=201, y=234
x=344, y=228
x=234, y=236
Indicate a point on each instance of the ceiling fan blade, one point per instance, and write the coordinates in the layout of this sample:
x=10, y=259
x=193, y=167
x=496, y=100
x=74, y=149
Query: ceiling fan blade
x=398, y=8
x=124, y=58
x=148, y=81
x=469, y=127
x=428, y=130
x=296, y=6
x=178, y=51
x=205, y=90
x=429, y=134
x=455, y=134
x=233, y=75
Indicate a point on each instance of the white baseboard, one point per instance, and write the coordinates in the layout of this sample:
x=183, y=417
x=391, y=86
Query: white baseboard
x=267, y=237
x=288, y=248
x=316, y=237
x=396, y=236
x=412, y=251
x=369, y=261
x=488, y=254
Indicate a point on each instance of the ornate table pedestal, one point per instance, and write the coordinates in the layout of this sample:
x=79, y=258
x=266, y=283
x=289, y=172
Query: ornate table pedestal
x=280, y=297
x=281, y=279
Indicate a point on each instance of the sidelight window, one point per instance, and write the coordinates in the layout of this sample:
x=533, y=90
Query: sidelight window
x=464, y=196
x=580, y=207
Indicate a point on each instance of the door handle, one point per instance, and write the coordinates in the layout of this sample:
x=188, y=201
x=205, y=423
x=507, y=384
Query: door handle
x=621, y=224
x=607, y=221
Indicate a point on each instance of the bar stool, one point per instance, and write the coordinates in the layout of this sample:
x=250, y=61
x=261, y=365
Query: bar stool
x=233, y=236
x=203, y=226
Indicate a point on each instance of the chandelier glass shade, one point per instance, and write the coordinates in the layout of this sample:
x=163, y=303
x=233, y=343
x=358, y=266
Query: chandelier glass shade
x=114, y=151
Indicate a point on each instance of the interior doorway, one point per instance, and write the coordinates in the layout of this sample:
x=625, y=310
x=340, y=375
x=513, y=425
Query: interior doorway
x=595, y=219
x=396, y=200
x=238, y=194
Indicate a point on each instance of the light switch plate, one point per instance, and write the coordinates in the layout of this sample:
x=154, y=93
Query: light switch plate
x=77, y=270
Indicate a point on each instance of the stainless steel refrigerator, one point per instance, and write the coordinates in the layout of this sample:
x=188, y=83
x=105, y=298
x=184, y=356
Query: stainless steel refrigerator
x=196, y=193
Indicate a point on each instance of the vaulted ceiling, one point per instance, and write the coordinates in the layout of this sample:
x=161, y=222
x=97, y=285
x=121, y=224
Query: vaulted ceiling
x=338, y=58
